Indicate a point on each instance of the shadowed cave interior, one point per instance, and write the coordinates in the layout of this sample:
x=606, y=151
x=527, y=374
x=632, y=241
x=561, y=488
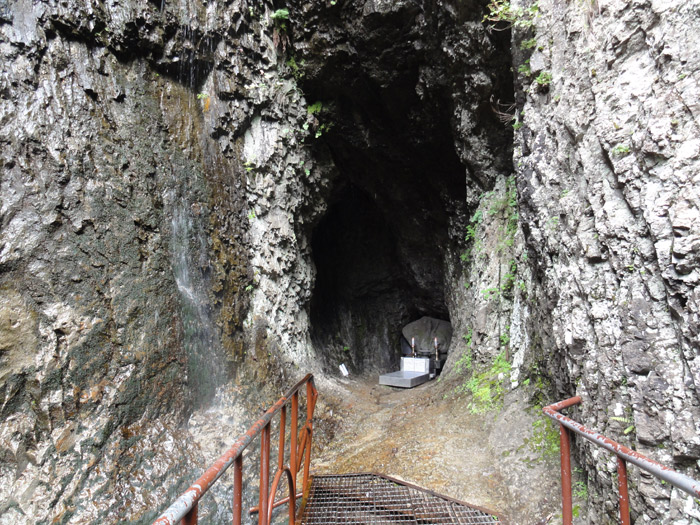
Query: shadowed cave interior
x=379, y=252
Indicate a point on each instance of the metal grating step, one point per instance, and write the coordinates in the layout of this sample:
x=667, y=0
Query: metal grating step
x=358, y=499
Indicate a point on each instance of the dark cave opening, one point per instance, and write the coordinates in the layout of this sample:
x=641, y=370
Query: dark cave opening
x=379, y=249
x=410, y=132
x=365, y=291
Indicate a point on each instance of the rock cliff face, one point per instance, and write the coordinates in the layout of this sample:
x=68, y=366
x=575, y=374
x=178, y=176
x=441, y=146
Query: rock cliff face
x=607, y=179
x=210, y=193
x=123, y=256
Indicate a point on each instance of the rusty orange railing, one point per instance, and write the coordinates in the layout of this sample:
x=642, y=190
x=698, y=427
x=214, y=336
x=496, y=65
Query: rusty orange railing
x=623, y=454
x=185, y=507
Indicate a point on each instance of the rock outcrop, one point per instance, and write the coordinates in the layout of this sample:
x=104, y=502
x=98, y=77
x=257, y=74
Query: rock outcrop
x=607, y=160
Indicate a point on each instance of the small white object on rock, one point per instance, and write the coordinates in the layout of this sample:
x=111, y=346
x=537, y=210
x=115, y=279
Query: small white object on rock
x=343, y=370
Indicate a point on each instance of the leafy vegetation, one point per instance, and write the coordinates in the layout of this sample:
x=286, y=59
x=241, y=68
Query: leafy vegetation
x=524, y=68
x=544, y=78
x=620, y=150
x=470, y=237
x=487, y=387
x=314, y=108
x=296, y=68
x=530, y=43
x=280, y=15
x=503, y=15
x=464, y=363
x=580, y=490
x=545, y=437
x=508, y=205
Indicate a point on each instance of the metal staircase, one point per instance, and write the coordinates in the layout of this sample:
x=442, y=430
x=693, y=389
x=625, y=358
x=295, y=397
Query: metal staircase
x=357, y=499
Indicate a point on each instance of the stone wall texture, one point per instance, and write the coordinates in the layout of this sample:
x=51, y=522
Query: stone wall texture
x=607, y=174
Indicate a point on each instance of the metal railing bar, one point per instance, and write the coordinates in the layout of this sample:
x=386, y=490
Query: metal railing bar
x=565, y=452
x=622, y=491
x=237, y=490
x=278, y=503
x=187, y=502
x=681, y=481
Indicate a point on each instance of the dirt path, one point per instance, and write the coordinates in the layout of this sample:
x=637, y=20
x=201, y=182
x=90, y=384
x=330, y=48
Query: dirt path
x=427, y=436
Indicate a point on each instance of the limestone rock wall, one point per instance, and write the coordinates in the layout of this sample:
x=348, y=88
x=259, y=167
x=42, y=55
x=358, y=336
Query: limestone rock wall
x=140, y=220
x=607, y=175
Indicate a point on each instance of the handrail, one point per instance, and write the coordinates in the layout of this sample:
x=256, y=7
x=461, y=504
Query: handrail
x=185, y=507
x=623, y=454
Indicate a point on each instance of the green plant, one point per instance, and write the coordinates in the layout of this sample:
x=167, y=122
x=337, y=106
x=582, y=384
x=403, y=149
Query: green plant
x=530, y=43
x=544, y=78
x=280, y=15
x=517, y=124
x=470, y=237
x=580, y=490
x=545, y=437
x=505, y=336
x=621, y=149
x=503, y=15
x=509, y=277
x=296, y=68
x=314, y=108
x=464, y=363
x=487, y=387
x=525, y=68
x=323, y=128
x=251, y=215
x=249, y=288
x=490, y=293
x=507, y=205
x=202, y=96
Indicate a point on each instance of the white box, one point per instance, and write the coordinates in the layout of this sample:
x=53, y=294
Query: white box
x=415, y=364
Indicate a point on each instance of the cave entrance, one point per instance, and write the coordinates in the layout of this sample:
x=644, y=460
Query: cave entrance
x=401, y=105
x=379, y=256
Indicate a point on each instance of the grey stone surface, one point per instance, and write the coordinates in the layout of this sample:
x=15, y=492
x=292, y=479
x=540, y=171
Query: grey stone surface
x=607, y=169
x=164, y=178
x=403, y=379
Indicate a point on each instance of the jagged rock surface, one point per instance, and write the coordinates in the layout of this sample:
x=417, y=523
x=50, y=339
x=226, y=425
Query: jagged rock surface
x=124, y=244
x=608, y=180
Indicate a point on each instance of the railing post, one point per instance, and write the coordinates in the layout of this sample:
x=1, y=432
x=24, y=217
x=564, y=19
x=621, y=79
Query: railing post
x=191, y=517
x=565, y=451
x=310, y=405
x=264, y=474
x=283, y=424
x=622, y=489
x=237, y=490
x=293, y=438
